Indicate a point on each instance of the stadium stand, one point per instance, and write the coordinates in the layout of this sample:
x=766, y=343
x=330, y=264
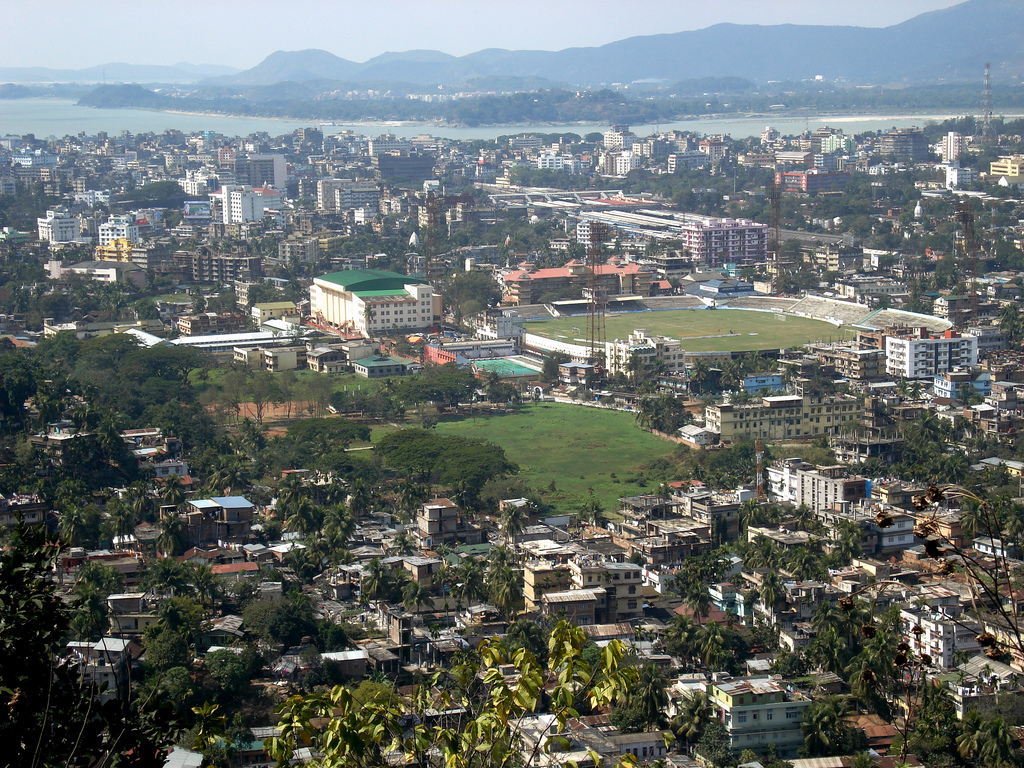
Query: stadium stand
x=673, y=302
x=764, y=303
x=887, y=318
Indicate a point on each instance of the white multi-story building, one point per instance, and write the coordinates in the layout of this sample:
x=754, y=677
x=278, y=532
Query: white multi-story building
x=619, y=353
x=913, y=357
x=619, y=137
x=946, y=631
x=552, y=161
x=957, y=177
x=58, y=227
x=952, y=147
x=796, y=482
x=626, y=161
x=388, y=143
x=122, y=227
x=240, y=204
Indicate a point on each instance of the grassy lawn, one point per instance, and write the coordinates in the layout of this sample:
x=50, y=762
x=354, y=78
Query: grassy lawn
x=749, y=330
x=575, y=447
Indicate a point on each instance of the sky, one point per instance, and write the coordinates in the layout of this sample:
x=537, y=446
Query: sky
x=241, y=33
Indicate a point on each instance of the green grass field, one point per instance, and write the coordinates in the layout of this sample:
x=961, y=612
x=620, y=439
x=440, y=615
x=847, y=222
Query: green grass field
x=703, y=330
x=575, y=447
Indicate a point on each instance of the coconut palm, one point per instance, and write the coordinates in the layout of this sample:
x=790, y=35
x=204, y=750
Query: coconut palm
x=416, y=596
x=305, y=518
x=72, y=526
x=173, y=492
x=122, y=519
x=513, y=520
x=376, y=581
x=505, y=590
x=173, y=537
x=472, y=586
x=338, y=523
x=824, y=726
x=999, y=745
x=403, y=544
x=205, y=584
x=692, y=714
x=648, y=697
x=711, y=643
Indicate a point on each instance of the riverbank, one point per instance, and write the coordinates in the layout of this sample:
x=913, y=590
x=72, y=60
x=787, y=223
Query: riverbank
x=62, y=117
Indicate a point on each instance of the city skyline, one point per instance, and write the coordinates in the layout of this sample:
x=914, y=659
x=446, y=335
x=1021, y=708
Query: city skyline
x=90, y=34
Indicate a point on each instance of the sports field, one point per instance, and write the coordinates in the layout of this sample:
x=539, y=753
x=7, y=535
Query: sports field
x=564, y=450
x=702, y=330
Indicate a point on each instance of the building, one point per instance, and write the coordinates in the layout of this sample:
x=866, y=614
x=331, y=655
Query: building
x=411, y=167
x=372, y=301
x=797, y=482
x=58, y=227
x=220, y=519
x=440, y=521
x=812, y=181
x=782, y=416
x=622, y=584
x=118, y=228
x=299, y=249
x=109, y=272
x=618, y=138
x=757, y=712
x=953, y=384
x=1007, y=165
x=268, y=170
x=953, y=145
x=379, y=367
x=919, y=356
x=240, y=204
x=530, y=286
x=643, y=350
x=208, y=267
x=905, y=144
x=706, y=239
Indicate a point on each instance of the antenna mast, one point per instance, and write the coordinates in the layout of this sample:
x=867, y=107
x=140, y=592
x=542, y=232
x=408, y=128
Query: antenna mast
x=969, y=249
x=775, y=234
x=987, y=130
x=759, y=448
x=596, y=301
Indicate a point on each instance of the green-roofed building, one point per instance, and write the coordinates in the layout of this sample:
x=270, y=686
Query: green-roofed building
x=373, y=302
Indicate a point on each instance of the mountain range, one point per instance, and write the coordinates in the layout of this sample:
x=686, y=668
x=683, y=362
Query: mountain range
x=949, y=44
x=952, y=44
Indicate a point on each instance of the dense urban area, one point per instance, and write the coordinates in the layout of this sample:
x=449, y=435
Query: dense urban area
x=356, y=450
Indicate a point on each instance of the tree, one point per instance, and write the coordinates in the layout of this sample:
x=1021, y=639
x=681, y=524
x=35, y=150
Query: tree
x=358, y=734
x=691, y=718
x=824, y=727
x=648, y=698
x=173, y=537
x=51, y=714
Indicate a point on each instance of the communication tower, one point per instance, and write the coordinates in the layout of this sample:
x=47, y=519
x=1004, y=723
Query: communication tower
x=775, y=235
x=597, y=301
x=969, y=249
x=987, y=129
x=759, y=448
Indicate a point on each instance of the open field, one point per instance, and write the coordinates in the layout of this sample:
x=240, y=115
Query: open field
x=703, y=330
x=573, y=446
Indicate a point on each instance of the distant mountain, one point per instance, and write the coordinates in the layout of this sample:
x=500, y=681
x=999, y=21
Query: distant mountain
x=949, y=44
x=116, y=72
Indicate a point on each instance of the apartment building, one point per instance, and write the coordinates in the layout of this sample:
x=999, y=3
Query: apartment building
x=622, y=584
x=797, y=482
x=121, y=227
x=757, y=712
x=58, y=227
x=781, y=416
x=919, y=356
x=529, y=286
x=619, y=354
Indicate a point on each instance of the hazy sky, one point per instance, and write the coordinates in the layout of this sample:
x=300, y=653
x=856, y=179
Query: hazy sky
x=240, y=33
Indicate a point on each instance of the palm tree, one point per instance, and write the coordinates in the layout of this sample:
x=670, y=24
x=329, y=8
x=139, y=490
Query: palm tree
x=999, y=745
x=648, y=696
x=173, y=493
x=173, y=537
x=72, y=526
x=972, y=736
x=339, y=523
x=472, y=586
x=123, y=520
x=771, y=592
x=711, y=643
x=205, y=584
x=513, y=520
x=416, y=596
x=505, y=590
x=824, y=726
x=305, y=518
x=403, y=544
x=376, y=581
x=692, y=715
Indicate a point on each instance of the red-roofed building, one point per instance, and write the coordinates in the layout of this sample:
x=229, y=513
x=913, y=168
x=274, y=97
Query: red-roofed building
x=528, y=286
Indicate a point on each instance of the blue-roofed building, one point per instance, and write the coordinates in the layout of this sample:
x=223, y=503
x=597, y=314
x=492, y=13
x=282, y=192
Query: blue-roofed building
x=226, y=519
x=770, y=382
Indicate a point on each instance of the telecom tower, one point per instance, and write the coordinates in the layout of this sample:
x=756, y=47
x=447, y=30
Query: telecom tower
x=759, y=455
x=430, y=235
x=969, y=249
x=596, y=301
x=775, y=235
x=987, y=130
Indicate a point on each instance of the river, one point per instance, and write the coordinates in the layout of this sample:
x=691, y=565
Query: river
x=61, y=117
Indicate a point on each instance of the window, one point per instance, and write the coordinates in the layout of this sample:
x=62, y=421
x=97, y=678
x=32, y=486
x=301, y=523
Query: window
x=741, y=717
x=769, y=715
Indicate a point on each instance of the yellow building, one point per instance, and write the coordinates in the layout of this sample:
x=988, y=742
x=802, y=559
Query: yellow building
x=783, y=416
x=1007, y=165
x=117, y=250
x=373, y=302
